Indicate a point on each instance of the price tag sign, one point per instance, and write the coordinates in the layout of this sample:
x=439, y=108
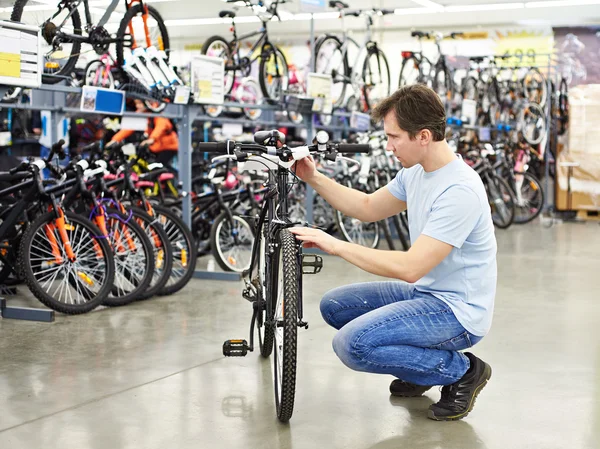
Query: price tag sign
x=319, y=87
x=360, y=121
x=469, y=111
x=20, y=55
x=208, y=79
x=182, y=95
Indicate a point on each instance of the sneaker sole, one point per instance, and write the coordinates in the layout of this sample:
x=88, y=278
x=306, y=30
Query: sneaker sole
x=431, y=414
x=408, y=395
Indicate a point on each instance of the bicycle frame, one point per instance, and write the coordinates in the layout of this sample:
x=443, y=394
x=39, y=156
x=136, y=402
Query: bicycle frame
x=72, y=5
x=275, y=216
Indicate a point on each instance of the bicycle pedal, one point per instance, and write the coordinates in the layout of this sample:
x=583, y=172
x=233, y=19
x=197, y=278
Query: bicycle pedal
x=311, y=264
x=235, y=348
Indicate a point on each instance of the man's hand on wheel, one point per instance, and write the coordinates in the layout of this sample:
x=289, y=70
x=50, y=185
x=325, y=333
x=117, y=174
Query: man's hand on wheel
x=315, y=238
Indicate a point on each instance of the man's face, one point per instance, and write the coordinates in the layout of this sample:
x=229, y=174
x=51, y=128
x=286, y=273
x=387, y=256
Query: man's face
x=407, y=151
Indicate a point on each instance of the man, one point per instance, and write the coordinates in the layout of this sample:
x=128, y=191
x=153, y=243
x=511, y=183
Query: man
x=442, y=298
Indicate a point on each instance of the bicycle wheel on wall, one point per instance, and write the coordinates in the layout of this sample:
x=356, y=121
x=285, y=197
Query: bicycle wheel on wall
x=273, y=74
x=286, y=289
x=330, y=59
x=145, y=30
x=376, y=77
x=58, y=62
x=218, y=47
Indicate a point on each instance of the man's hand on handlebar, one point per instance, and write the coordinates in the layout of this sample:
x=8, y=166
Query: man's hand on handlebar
x=305, y=169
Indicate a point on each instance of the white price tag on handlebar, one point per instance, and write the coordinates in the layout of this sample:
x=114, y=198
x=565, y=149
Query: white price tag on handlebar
x=212, y=173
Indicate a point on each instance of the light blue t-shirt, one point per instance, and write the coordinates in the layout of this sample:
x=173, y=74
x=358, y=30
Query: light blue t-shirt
x=450, y=204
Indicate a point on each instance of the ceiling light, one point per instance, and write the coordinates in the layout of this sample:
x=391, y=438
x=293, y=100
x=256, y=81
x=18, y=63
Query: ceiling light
x=484, y=7
x=429, y=4
x=201, y=21
x=557, y=3
x=411, y=11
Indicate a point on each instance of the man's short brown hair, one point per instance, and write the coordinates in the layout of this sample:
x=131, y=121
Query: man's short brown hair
x=416, y=108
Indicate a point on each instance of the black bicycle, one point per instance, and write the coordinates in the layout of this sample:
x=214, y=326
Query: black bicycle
x=273, y=69
x=274, y=280
x=141, y=27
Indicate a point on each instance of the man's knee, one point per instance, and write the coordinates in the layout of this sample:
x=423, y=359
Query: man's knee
x=330, y=304
x=348, y=350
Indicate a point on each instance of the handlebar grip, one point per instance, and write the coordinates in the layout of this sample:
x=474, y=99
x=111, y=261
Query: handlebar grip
x=91, y=147
x=58, y=145
x=353, y=148
x=215, y=147
x=23, y=166
x=414, y=34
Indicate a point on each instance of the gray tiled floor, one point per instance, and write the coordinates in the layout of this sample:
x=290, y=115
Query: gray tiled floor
x=151, y=375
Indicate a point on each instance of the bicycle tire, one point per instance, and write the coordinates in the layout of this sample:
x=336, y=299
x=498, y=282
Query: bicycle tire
x=266, y=333
x=122, y=295
x=107, y=265
x=217, y=247
x=496, y=184
x=184, y=250
x=129, y=15
x=159, y=240
x=413, y=62
x=284, y=75
x=229, y=81
x=111, y=78
x=534, y=183
x=448, y=84
x=541, y=126
x=286, y=333
x=66, y=70
x=542, y=96
x=400, y=231
x=339, y=101
x=380, y=55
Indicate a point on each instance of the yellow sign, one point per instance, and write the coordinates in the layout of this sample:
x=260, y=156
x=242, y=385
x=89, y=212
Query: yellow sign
x=204, y=89
x=527, y=48
x=10, y=65
x=192, y=47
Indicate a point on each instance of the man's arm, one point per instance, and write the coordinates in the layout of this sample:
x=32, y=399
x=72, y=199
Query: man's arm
x=410, y=266
x=426, y=254
x=354, y=203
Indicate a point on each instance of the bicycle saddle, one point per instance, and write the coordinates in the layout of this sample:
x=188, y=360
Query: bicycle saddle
x=338, y=4
x=419, y=34
x=477, y=59
x=229, y=14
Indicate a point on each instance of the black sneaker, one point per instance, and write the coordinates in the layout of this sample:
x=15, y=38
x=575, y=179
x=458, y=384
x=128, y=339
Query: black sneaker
x=458, y=398
x=406, y=389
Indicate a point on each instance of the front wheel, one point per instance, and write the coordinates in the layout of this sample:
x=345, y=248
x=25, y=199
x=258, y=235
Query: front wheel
x=530, y=197
x=70, y=286
x=231, y=240
x=286, y=280
x=502, y=201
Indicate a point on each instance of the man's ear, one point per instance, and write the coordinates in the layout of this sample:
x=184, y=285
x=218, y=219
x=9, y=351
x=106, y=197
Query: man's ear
x=424, y=137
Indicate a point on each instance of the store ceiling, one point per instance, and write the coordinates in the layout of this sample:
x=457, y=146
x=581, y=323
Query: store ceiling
x=183, y=16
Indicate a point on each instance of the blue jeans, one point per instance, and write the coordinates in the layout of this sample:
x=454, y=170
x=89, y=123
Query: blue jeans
x=391, y=328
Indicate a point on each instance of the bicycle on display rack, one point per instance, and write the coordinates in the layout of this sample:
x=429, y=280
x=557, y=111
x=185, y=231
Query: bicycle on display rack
x=273, y=70
x=332, y=58
x=141, y=27
x=417, y=68
x=274, y=279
